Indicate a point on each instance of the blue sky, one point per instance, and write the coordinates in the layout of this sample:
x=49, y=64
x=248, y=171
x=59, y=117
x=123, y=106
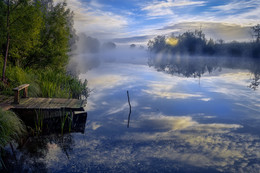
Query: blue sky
x=139, y=20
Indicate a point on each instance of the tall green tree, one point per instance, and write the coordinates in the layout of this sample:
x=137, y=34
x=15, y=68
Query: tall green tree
x=35, y=33
x=55, y=36
x=22, y=30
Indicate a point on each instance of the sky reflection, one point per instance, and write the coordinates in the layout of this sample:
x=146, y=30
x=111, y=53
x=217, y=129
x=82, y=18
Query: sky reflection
x=178, y=124
x=175, y=121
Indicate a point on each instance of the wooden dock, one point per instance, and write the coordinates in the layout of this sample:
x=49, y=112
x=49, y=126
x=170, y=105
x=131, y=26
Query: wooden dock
x=7, y=102
x=50, y=110
x=47, y=113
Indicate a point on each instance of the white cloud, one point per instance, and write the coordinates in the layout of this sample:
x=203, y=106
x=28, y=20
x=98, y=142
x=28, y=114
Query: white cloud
x=215, y=30
x=205, y=99
x=238, y=12
x=91, y=19
x=236, y=5
x=163, y=8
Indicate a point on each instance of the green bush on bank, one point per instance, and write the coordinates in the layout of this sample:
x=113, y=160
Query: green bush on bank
x=11, y=128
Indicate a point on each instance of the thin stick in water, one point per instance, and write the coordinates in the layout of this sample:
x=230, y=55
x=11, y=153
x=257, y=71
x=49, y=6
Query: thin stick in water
x=129, y=109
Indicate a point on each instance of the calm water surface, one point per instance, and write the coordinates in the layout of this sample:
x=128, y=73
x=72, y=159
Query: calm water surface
x=194, y=116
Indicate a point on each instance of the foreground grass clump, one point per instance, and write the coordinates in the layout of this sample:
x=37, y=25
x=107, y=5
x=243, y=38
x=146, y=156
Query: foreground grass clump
x=11, y=128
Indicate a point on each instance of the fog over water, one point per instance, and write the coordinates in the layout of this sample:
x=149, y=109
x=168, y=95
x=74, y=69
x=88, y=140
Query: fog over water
x=189, y=114
x=90, y=53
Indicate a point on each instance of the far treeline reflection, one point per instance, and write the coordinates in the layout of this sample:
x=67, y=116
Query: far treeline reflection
x=192, y=55
x=197, y=66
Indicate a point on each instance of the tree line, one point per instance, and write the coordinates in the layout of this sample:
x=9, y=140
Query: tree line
x=35, y=34
x=195, y=43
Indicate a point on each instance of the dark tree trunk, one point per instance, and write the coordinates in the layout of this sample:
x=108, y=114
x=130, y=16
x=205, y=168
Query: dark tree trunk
x=8, y=40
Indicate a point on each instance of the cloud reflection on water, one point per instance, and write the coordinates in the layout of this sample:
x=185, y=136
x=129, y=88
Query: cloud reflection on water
x=166, y=90
x=196, y=141
x=173, y=140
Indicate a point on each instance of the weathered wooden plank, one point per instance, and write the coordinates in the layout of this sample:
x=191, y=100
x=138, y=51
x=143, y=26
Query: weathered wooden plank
x=74, y=103
x=43, y=103
x=25, y=101
x=38, y=102
x=10, y=100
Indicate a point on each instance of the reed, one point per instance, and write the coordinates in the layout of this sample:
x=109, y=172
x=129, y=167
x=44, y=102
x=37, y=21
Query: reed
x=63, y=120
x=39, y=122
x=58, y=84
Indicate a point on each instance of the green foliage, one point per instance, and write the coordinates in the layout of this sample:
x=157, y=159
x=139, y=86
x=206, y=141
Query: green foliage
x=195, y=43
x=44, y=83
x=17, y=76
x=25, y=26
x=41, y=36
x=54, y=36
x=55, y=84
x=11, y=127
x=40, y=33
x=38, y=122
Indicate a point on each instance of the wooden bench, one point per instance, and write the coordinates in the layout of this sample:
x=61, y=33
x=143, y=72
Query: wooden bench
x=17, y=90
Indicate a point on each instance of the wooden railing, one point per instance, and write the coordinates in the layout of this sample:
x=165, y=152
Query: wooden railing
x=17, y=90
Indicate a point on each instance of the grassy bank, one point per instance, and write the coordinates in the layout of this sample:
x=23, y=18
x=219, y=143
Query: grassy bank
x=44, y=83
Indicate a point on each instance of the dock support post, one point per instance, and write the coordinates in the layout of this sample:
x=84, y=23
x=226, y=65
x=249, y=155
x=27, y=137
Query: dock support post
x=16, y=97
x=25, y=92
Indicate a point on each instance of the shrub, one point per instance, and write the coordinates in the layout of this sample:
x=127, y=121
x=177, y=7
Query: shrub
x=11, y=128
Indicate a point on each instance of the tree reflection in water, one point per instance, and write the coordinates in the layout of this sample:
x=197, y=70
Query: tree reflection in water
x=36, y=151
x=197, y=66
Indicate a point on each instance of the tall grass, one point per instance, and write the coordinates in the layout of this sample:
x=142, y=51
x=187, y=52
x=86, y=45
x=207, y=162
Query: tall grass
x=64, y=120
x=38, y=122
x=43, y=82
x=17, y=76
x=11, y=128
x=58, y=84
